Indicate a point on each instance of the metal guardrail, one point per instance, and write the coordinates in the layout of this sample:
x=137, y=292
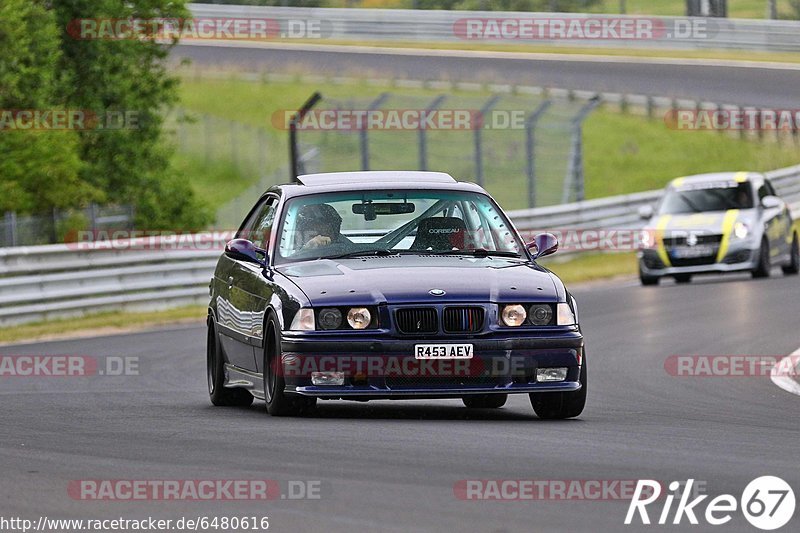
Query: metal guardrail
x=438, y=26
x=64, y=280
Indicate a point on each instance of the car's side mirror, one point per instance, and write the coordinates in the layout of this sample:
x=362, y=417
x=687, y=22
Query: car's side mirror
x=771, y=202
x=646, y=212
x=543, y=244
x=244, y=250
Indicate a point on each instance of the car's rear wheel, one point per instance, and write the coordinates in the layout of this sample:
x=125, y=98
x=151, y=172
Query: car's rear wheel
x=560, y=405
x=215, y=372
x=279, y=403
x=485, y=401
x=683, y=278
x=763, y=268
x=794, y=265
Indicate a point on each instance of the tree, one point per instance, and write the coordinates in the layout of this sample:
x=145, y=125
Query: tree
x=38, y=170
x=127, y=76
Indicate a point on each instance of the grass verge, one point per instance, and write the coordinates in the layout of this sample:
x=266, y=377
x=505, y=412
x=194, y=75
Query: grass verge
x=101, y=323
x=593, y=267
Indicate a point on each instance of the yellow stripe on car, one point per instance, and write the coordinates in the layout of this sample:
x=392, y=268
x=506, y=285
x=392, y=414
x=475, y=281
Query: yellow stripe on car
x=727, y=229
x=662, y=224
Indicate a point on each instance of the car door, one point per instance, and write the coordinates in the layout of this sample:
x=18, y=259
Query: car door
x=783, y=232
x=772, y=222
x=252, y=289
x=239, y=324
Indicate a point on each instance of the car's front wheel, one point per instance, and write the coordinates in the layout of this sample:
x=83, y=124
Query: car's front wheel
x=485, y=401
x=279, y=403
x=794, y=265
x=763, y=267
x=560, y=405
x=647, y=280
x=215, y=372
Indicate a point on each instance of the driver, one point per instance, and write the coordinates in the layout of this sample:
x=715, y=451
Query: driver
x=322, y=224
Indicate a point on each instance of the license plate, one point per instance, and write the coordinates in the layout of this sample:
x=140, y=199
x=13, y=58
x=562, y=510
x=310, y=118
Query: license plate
x=443, y=351
x=697, y=251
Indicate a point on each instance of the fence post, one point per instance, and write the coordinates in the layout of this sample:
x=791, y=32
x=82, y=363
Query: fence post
x=11, y=228
x=93, y=217
x=530, y=149
x=363, y=129
x=575, y=177
x=478, y=142
x=422, y=137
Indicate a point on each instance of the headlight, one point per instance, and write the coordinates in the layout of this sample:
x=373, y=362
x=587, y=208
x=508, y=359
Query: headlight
x=513, y=315
x=330, y=318
x=741, y=230
x=565, y=315
x=303, y=320
x=541, y=314
x=359, y=317
x=648, y=239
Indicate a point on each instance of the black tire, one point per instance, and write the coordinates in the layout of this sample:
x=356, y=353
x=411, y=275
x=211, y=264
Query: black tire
x=683, y=278
x=485, y=401
x=560, y=405
x=215, y=372
x=763, y=268
x=279, y=403
x=648, y=280
x=794, y=266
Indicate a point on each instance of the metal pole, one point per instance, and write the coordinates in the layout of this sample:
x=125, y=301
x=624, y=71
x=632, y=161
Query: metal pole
x=530, y=149
x=422, y=140
x=773, y=9
x=364, y=141
x=295, y=165
x=575, y=177
x=11, y=228
x=478, y=143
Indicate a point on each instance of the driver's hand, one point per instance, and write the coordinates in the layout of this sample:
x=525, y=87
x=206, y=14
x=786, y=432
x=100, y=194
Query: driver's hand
x=316, y=242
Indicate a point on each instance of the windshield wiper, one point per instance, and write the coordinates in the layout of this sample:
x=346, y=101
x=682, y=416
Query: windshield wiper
x=480, y=252
x=364, y=253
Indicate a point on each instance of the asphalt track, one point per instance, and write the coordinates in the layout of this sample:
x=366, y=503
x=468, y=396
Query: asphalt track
x=392, y=466
x=724, y=83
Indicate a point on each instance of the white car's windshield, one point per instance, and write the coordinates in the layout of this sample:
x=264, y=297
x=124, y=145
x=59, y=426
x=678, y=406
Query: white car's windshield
x=336, y=225
x=707, y=197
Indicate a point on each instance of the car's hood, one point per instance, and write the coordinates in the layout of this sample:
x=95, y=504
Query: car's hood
x=408, y=279
x=713, y=222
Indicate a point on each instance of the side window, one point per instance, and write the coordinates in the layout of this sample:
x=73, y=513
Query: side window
x=770, y=188
x=762, y=192
x=259, y=227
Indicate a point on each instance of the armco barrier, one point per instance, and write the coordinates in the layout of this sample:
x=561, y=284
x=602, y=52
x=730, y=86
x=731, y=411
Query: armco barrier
x=370, y=25
x=63, y=280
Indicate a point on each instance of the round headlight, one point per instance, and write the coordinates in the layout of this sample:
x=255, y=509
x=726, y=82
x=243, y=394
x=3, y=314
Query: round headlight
x=330, y=318
x=741, y=230
x=541, y=315
x=359, y=317
x=514, y=315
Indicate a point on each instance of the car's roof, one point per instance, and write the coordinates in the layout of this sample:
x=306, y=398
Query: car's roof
x=374, y=181
x=714, y=177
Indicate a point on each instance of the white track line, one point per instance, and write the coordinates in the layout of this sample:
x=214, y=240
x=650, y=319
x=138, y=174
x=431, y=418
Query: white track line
x=783, y=381
x=489, y=54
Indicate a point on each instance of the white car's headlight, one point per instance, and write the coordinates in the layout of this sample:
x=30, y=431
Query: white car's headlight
x=741, y=230
x=303, y=320
x=565, y=316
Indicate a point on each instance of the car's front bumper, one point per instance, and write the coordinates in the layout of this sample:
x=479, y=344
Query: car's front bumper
x=380, y=367
x=740, y=258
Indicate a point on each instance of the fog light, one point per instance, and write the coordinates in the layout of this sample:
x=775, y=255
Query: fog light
x=327, y=378
x=551, y=374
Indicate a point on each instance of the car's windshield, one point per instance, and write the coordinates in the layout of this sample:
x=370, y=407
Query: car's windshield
x=353, y=223
x=707, y=197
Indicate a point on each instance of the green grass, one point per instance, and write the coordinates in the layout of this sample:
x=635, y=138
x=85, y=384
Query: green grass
x=102, y=323
x=736, y=8
x=623, y=153
x=592, y=266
